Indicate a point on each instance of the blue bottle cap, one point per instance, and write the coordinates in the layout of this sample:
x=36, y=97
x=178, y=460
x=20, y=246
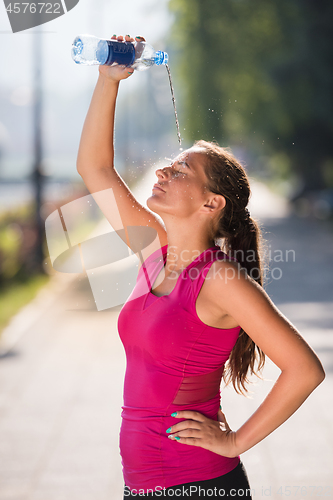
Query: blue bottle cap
x=161, y=58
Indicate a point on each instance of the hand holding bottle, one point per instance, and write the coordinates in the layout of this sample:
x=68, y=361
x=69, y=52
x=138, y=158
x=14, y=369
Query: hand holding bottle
x=90, y=50
x=116, y=71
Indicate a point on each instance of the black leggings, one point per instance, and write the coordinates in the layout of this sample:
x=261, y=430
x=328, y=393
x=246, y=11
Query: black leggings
x=234, y=485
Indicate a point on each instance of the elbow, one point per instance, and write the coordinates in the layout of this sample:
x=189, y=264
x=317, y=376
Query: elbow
x=319, y=372
x=81, y=162
x=315, y=371
x=320, y=377
x=309, y=375
x=79, y=167
x=316, y=375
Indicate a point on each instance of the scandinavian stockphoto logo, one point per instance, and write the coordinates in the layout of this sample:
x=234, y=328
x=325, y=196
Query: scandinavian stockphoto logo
x=80, y=239
x=25, y=15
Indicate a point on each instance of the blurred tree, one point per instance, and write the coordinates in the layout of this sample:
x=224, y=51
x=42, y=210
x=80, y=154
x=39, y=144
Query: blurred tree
x=258, y=72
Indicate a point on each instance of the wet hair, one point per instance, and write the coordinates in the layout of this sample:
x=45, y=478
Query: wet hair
x=239, y=236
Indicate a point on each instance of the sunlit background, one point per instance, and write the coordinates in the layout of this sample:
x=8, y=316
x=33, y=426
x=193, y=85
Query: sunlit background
x=255, y=76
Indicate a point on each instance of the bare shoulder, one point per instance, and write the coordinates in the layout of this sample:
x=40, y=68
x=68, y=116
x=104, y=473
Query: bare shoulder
x=220, y=273
x=231, y=289
x=227, y=274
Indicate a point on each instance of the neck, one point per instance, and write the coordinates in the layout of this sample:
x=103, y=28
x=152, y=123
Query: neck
x=185, y=243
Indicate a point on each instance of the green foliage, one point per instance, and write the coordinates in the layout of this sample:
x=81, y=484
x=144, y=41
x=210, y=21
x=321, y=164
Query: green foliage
x=10, y=240
x=258, y=72
x=16, y=295
x=17, y=237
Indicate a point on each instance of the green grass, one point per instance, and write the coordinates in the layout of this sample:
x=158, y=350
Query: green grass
x=16, y=295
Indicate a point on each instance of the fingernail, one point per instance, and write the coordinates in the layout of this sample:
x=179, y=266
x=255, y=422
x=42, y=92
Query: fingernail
x=220, y=407
x=168, y=430
x=130, y=72
x=174, y=414
x=128, y=36
x=177, y=438
x=114, y=35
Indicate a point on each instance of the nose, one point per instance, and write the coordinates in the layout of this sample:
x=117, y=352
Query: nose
x=161, y=172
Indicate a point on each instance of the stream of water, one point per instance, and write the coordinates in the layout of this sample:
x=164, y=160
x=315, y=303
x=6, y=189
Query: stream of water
x=174, y=104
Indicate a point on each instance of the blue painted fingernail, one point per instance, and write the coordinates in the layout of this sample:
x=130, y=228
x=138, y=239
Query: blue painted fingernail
x=174, y=414
x=168, y=430
x=177, y=438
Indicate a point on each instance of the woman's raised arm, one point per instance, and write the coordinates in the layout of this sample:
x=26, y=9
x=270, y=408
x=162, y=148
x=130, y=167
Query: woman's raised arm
x=95, y=161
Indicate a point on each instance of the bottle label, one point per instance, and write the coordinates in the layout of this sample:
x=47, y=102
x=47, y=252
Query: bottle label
x=120, y=53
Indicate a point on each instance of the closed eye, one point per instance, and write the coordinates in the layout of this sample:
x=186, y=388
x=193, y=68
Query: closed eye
x=179, y=162
x=184, y=163
x=178, y=172
x=174, y=170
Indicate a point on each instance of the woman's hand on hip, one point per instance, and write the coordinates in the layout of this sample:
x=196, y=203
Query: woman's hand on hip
x=117, y=72
x=198, y=430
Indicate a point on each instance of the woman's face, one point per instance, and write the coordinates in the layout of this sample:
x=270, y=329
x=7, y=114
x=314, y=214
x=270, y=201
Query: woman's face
x=182, y=186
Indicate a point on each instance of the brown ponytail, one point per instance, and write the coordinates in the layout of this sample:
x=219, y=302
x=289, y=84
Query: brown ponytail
x=240, y=237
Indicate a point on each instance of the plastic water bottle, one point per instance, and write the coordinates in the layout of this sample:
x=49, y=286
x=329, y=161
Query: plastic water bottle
x=89, y=50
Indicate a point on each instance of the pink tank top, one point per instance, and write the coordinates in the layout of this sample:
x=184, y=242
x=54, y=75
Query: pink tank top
x=174, y=362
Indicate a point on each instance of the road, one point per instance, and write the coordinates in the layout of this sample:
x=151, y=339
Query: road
x=61, y=380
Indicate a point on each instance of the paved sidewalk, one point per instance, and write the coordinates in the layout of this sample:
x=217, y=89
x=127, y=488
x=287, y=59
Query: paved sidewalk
x=61, y=383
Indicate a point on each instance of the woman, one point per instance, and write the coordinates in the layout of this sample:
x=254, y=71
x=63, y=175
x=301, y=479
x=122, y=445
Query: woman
x=202, y=308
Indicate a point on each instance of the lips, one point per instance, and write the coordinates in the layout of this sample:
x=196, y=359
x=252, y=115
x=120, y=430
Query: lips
x=157, y=186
